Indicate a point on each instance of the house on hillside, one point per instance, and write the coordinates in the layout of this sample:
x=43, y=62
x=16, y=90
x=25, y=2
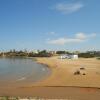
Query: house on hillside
x=69, y=56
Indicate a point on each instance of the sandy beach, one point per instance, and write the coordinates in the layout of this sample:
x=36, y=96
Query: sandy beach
x=63, y=72
x=63, y=83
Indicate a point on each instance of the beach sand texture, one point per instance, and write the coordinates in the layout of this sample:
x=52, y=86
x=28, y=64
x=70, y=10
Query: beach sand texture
x=63, y=72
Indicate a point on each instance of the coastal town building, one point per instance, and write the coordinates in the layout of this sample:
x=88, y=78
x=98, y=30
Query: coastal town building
x=52, y=52
x=69, y=56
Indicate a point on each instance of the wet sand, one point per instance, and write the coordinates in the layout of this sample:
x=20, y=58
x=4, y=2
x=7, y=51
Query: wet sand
x=68, y=93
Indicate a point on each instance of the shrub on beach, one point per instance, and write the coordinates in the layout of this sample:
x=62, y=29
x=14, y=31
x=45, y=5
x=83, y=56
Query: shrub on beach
x=77, y=72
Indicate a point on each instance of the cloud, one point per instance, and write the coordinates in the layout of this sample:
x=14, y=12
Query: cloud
x=62, y=41
x=84, y=36
x=66, y=8
x=79, y=37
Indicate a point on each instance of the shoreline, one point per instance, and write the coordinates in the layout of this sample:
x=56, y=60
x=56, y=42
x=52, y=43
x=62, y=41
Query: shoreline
x=62, y=83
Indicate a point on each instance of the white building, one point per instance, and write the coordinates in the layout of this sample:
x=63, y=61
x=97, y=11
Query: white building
x=74, y=56
x=69, y=56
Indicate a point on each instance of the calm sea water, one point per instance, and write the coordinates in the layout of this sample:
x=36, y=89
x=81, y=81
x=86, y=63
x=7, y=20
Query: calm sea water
x=20, y=72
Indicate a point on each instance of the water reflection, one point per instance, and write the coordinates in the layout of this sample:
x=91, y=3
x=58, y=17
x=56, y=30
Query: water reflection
x=22, y=71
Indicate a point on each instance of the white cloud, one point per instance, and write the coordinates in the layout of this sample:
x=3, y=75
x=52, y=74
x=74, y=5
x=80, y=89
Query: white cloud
x=62, y=41
x=84, y=36
x=79, y=37
x=68, y=8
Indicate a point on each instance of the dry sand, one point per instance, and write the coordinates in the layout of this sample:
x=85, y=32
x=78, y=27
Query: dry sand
x=63, y=72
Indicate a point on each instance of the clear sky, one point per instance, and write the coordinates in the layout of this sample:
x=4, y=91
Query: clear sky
x=50, y=24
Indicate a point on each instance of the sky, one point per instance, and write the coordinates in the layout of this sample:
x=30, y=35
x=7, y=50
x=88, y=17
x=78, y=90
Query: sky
x=50, y=24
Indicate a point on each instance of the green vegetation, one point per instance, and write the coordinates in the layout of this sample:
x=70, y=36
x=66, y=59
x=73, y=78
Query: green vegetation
x=25, y=53
x=90, y=54
x=45, y=53
x=61, y=52
x=86, y=55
